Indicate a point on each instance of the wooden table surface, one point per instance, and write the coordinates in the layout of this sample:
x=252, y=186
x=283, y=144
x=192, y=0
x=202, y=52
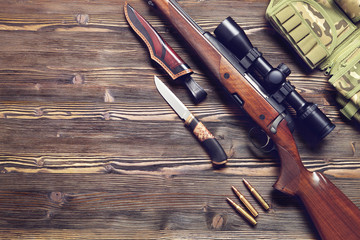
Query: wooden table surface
x=90, y=150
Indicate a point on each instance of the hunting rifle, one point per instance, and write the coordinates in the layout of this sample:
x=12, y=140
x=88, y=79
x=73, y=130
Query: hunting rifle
x=333, y=214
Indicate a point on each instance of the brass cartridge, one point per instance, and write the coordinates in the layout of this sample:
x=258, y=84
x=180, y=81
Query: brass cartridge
x=256, y=195
x=242, y=212
x=246, y=203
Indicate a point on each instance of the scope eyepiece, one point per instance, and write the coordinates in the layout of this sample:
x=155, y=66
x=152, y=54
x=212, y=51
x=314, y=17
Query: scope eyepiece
x=312, y=120
x=315, y=124
x=316, y=120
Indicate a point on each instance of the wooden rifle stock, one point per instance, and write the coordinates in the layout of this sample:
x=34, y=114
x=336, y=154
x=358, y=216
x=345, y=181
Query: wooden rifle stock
x=333, y=214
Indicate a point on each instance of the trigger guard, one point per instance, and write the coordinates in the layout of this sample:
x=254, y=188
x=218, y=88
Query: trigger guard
x=265, y=145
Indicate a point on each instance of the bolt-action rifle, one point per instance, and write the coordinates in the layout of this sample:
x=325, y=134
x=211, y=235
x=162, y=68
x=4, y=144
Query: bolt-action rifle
x=233, y=60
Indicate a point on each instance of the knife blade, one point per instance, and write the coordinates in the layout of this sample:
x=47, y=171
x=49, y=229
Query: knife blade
x=208, y=141
x=163, y=54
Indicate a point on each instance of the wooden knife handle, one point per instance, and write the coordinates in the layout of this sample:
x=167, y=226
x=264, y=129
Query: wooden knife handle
x=212, y=146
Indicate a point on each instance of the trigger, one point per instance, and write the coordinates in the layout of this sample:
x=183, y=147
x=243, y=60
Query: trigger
x=261, y=140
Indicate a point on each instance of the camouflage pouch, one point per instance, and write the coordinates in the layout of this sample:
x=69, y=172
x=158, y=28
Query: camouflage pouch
x=351, y=8
x=344, y=67
x=324, y=37
x=313, y=28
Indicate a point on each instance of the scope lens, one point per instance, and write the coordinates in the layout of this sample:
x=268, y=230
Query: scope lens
x=233, y=37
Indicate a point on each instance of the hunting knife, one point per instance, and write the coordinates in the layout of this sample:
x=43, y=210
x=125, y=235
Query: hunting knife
x=163, y=54
x=208, y=141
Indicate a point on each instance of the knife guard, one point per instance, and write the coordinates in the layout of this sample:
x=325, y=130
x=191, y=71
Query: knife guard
x=208, y=141
x=163, y=54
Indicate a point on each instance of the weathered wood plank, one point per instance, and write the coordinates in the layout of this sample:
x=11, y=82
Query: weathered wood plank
x=163, y=165
x=153, y=202
x=89, y=149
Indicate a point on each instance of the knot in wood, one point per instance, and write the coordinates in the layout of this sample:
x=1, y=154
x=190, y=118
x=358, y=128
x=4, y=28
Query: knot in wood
x=39, y=112
x=40, y=162
x=218, y=222
x=106, y=116
x=109, y=168
x=57, y=197
x=78, y=79
x=82, y=18
x=49, y=214
x=37, y=86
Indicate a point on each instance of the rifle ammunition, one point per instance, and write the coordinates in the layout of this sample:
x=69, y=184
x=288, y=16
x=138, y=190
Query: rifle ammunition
x=246, y=203
x=242, y=212
x=256, y=195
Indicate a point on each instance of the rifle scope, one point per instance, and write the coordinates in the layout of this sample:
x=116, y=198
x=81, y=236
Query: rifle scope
x=273, y=79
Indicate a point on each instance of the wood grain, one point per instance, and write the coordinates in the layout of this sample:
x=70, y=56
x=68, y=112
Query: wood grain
x=90, y=150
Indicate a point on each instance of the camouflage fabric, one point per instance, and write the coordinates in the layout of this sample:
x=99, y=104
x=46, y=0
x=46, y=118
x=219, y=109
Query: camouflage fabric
x=324, y=34
x=320, y=25
x=351, y=8
x=349, y=110
x=348, y=86
x=313, y=28
x=349, y=83
x=347, y=54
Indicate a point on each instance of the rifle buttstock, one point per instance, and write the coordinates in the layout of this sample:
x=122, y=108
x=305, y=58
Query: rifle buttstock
x=334, y=215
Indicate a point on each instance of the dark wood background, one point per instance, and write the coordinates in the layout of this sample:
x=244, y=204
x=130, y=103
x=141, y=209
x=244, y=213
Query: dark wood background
x=89, y=149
